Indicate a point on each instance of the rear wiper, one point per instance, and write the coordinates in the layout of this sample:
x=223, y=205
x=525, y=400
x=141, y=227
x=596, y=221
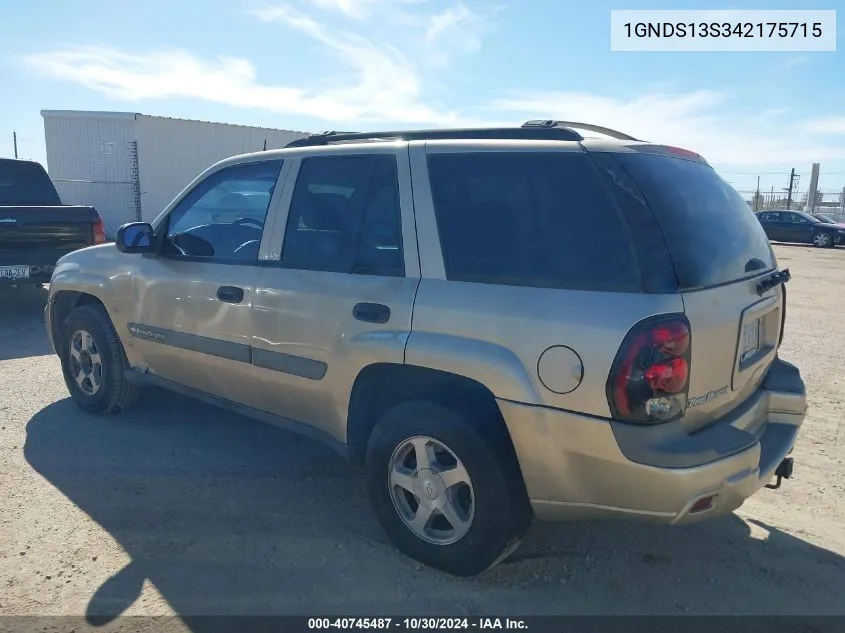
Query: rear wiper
x=773, y=280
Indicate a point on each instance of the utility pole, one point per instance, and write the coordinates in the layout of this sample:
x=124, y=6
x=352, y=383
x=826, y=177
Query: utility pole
x=757, y=196
x=15, y=142
x=814, y=185
x=789, y=189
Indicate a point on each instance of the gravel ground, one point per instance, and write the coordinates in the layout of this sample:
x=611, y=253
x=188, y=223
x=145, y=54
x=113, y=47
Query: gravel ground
x=178, y=508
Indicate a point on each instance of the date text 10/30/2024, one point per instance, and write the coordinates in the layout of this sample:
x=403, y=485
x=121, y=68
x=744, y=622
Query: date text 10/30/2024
x=417, y=624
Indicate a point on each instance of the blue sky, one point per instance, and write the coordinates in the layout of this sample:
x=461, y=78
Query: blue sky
x=368, y=64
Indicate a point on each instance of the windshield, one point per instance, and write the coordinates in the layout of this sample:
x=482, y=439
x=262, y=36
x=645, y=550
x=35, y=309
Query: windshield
x=826, y=218
x=712, y=234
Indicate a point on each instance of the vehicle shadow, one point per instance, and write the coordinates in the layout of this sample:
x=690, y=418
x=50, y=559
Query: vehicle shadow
x=22, y=322
x=226, y=516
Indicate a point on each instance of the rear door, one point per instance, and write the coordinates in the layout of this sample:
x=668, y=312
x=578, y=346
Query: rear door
x=337, y=291
x=720, y=254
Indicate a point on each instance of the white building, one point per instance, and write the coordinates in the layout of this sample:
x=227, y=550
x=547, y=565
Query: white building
x=130, y=166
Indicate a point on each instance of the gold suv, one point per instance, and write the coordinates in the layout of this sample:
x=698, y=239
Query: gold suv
x=555, y=320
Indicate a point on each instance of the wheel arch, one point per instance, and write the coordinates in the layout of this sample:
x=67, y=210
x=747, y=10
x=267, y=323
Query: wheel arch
x=381, y=386
x=62, y=303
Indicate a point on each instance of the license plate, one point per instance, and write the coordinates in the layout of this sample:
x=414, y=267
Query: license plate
x=14, y=272
x=751, y=335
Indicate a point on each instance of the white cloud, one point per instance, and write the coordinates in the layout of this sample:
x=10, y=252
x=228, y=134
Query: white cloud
x=380, y=74
x=458, y=22
x=385, y=85
x=700, y=120
x=358, y=9
x=832, y=125
x=390, y=56
x=797, y=60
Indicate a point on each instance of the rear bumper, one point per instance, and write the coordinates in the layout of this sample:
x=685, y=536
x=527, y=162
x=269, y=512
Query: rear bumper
x=578, y=467
x=37, y=275
x=39, y=264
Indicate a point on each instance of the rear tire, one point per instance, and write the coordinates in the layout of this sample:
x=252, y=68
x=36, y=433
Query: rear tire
x=489, y=502
x=94, y=363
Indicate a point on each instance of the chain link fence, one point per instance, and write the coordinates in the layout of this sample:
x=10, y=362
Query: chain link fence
x=827, y=202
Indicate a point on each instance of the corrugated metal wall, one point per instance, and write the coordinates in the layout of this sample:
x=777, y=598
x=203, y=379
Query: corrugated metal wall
x=130, y=166
x=90, y=160
x=172, y=152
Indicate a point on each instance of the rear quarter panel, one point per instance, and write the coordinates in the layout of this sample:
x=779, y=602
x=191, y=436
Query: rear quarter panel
x=497, y=334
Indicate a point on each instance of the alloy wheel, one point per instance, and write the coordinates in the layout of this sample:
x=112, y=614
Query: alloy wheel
x=431, y=490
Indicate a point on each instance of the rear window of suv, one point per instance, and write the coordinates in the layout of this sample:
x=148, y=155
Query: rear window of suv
x=541, y=219
x=711, y=232
x=26, y=183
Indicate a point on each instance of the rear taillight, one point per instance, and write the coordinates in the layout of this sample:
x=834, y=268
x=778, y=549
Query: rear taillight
x=99, y=230
x=649, y=380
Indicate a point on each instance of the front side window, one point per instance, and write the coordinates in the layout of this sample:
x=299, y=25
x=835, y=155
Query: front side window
x=344, y=217
x=222, y=219
x=540, y=219
x=797, y=219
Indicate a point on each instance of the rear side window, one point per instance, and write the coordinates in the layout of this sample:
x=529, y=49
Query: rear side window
x=24, y=182
x=712, y=234
x=795, y=218
x=539, y=219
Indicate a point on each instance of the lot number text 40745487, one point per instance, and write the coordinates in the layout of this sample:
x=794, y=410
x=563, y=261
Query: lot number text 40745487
x=418, y=624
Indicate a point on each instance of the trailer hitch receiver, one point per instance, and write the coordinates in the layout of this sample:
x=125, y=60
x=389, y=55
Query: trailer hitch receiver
x=783, y=471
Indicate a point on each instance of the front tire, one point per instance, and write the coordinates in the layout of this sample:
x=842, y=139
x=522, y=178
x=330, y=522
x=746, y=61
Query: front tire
x=822, y=240
x=93, y=362
x=444, y=494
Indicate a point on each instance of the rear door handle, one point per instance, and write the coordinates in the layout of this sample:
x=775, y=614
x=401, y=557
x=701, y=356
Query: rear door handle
x=371, y=312
x=230, y=294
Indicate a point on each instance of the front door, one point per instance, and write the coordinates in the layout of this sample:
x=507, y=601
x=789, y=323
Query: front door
x=797, y=228
x=340, y=295
x=192, y=313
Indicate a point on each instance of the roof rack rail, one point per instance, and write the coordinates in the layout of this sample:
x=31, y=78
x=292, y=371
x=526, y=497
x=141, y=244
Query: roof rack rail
x=572, y=125
x=513, y=133
x=548, y=130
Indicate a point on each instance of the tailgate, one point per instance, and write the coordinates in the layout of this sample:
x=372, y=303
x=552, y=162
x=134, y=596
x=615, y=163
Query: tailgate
x=735, y=336
x=720, y=254
x=64, y=228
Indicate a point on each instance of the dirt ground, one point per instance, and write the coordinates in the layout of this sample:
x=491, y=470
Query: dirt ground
x=178, y=508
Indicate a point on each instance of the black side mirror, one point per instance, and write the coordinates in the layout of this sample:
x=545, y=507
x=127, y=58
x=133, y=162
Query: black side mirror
x=135, y=237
